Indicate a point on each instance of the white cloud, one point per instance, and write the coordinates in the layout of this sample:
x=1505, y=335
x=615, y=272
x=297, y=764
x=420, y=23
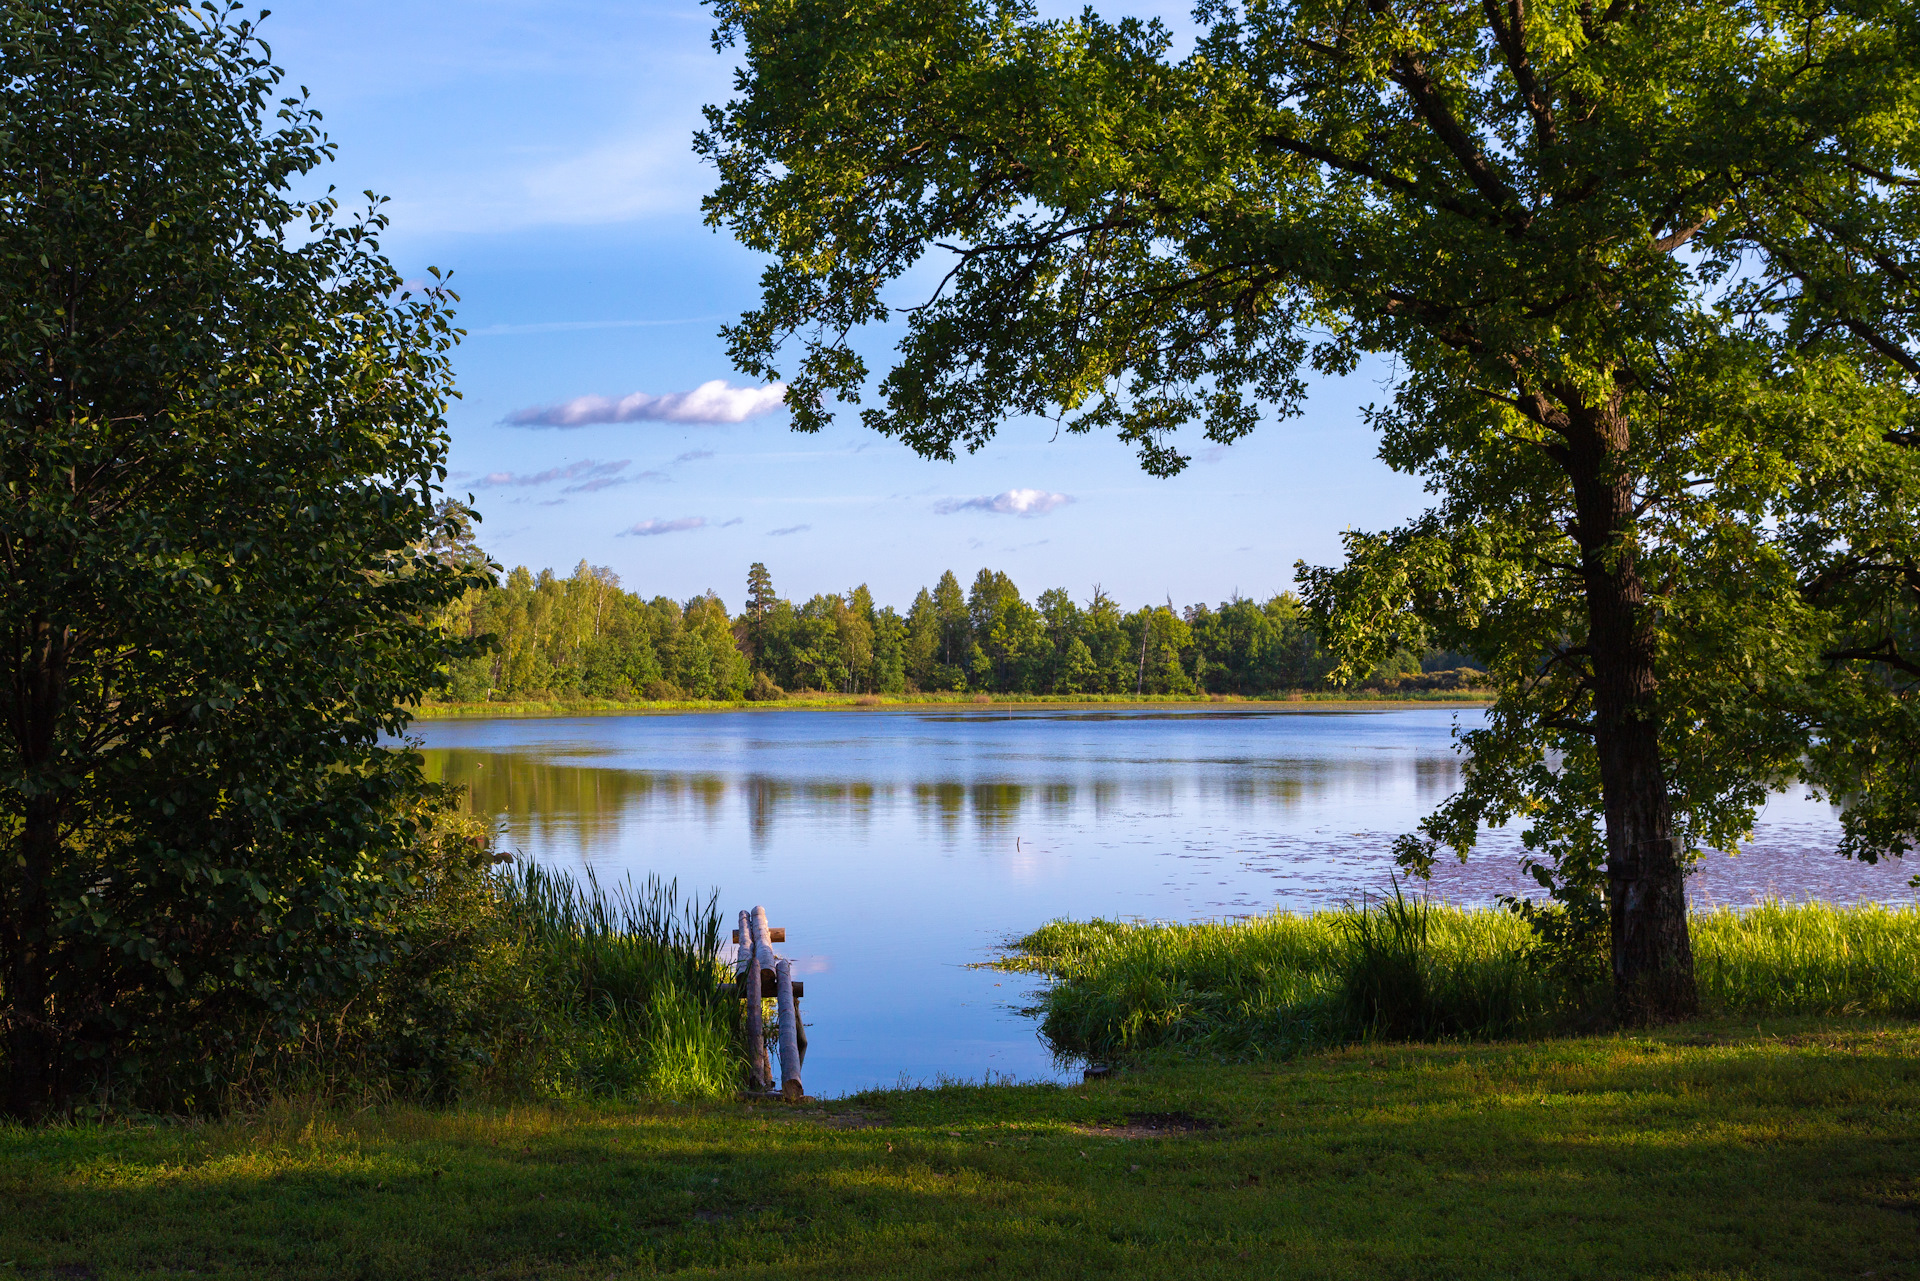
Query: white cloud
x=1012, y=502
x=710, y=402
x=591, y=474
x=647, y=528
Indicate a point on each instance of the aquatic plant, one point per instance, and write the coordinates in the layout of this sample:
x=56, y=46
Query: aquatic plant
x=1407, y=969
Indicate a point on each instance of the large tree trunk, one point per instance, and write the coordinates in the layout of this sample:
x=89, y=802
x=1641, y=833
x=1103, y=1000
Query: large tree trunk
x=26, y=932
x=1652, y=953
x=30, y=1038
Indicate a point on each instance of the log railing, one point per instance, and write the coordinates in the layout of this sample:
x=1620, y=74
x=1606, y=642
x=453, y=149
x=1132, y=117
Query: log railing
x=762, y=974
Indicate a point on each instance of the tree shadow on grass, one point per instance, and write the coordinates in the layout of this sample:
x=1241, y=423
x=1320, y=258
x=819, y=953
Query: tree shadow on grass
x=1600, y=1158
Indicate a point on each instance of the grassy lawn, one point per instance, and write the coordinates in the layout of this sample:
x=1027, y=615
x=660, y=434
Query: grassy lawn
x=1788, y=1149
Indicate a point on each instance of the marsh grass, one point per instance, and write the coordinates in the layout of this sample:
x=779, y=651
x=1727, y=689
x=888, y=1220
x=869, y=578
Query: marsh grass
x=1405, y=969
x=618, y=991
x=1812, y=958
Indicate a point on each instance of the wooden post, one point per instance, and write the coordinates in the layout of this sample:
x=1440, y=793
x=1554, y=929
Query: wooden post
x=762, y=965
x=790, y=1087
x=799, y=1027
x=759, y=1073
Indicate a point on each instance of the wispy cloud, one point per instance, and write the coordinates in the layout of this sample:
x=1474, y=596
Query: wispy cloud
x=601, y=483
x=790, y=529
x=693, y=456
x=591, y=474
x=728, y=524
x=617, y=178
x=648, y=528
x=710, y=402
x=1012, y=502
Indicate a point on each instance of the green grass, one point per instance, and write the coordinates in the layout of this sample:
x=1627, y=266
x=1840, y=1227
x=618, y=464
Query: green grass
x=1714, y=1150
x=837, y=702
x=1271, y=986
x=614, y=992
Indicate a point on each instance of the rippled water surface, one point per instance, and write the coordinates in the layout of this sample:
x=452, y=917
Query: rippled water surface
x=897, y=847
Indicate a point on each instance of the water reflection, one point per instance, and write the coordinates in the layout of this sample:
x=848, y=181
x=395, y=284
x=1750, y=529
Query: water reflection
x=897, y=847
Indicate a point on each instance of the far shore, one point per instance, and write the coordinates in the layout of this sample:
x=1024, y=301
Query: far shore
x=1305, y=701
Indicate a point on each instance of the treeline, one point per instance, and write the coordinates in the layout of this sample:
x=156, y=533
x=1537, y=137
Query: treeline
x=585, y=636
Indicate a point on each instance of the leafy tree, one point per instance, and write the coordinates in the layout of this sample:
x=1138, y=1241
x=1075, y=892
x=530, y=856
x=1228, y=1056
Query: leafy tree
x=1541, y=213
x=956, y=634
x=221, y=437
x=923, y=641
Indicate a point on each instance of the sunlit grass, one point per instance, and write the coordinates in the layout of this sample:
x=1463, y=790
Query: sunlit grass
x=1274, y=985
x=1715, y=1149
x=625, y=997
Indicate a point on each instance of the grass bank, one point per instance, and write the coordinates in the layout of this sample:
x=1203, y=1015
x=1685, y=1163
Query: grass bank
x=1275, y=985
x=837, y=702
x=1711, y=1150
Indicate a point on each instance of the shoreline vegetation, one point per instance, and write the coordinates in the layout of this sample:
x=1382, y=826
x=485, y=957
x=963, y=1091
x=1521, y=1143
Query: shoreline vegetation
x=1408, y=970
x=1300, y=700
x=585, y=639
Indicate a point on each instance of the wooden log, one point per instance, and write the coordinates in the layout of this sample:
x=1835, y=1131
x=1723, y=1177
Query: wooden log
x=759, y=1073
x=769, y=987
x=775, y=934
x=763, y=959
x=790, y=1087
x=799, y=1027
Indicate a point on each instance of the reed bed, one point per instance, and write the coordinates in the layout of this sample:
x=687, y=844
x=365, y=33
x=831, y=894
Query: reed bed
x=616, y=991
x=1407, y=969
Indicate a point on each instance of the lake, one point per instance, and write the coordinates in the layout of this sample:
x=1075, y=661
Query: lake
x=900, y=847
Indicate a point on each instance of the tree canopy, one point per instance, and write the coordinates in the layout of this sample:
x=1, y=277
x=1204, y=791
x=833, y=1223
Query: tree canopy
x=221, y=433
x=1645, y=272
x=586, y=636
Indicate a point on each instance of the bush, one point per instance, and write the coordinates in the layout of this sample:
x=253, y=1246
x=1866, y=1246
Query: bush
x=502, y=981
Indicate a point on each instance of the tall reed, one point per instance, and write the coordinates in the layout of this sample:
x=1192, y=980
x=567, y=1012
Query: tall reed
x=620, y=989
x=1405, y=969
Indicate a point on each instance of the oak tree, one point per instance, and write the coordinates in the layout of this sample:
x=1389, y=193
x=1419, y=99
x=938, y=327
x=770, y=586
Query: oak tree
x=1558, y=219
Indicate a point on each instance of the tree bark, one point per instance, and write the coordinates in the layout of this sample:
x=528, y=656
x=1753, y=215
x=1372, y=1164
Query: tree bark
x=26, y=935
x=1652, y=953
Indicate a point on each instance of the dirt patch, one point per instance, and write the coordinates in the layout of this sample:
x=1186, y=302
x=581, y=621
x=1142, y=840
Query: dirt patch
x=1151, y=1125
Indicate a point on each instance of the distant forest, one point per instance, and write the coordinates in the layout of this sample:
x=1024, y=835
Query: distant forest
x=584, y=636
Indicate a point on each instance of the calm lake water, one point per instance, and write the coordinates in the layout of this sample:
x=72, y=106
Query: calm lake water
x=900, y=847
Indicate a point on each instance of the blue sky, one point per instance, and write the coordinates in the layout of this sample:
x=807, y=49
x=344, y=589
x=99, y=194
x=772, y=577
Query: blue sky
x=541, y=152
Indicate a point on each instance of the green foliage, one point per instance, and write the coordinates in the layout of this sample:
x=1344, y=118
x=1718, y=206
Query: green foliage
x=516, y=982
x=512, y=983
x=1647, y=277
x=1811, y=959
x=1275, y=985
x=221, y=433
x=621, y=990
x=1405, y=969
x=583, y=637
